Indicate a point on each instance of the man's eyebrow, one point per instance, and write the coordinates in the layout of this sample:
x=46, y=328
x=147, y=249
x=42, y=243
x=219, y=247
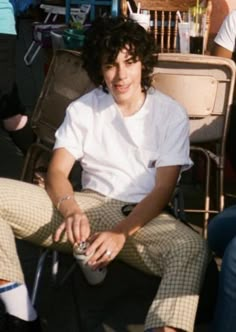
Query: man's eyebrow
x=132, y=57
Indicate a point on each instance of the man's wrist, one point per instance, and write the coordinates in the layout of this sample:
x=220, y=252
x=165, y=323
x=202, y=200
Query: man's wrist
x=122, y=229
x=63, y=199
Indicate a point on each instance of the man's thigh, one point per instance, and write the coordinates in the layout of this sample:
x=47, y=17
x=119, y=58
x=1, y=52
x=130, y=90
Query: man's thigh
x=158, y=242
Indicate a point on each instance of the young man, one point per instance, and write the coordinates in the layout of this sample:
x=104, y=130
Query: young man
x=132, y=142
x=225, y=46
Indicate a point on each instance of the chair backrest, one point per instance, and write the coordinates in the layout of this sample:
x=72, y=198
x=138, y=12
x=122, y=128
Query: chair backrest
x=204, y=85
x=66, y=80
x=164, y=20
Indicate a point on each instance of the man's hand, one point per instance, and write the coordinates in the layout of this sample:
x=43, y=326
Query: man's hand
x=105, y=246
x=76, y=226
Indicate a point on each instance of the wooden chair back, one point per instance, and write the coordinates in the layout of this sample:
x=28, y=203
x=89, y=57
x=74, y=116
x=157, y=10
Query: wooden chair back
x=164, y=20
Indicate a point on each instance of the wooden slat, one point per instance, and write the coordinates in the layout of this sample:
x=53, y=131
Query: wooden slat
x=164, y=22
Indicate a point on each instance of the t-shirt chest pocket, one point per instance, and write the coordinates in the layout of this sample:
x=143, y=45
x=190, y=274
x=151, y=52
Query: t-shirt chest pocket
x=149, y=158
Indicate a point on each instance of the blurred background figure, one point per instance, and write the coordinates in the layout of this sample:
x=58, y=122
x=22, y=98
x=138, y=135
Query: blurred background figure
x=225, y=40
x=222, y=228
x=225, y=46
x=13, y=115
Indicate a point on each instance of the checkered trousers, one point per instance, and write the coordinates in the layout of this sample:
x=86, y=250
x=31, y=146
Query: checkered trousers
x=164, y=247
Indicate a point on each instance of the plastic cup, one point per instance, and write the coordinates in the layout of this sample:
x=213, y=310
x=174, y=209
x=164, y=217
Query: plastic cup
x=141, y=19
x=184, y=33
x=196, y=44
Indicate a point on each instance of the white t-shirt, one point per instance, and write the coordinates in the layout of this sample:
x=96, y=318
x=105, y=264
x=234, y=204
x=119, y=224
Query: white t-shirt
x=226, y=37
x=119, y=155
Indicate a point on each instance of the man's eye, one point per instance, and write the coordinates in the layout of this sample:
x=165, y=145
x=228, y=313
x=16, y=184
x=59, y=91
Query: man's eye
x=130, y=61
x=108, y=66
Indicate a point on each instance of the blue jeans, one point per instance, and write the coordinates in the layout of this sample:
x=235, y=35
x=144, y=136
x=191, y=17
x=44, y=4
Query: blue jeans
x=222, y=240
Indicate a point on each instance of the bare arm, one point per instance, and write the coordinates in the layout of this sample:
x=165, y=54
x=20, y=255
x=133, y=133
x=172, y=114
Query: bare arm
x=57, y=183
x=58, y=187
x=154, y=203
x=221, y=51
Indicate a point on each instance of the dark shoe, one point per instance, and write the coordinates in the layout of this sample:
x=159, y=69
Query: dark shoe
x=15, y=324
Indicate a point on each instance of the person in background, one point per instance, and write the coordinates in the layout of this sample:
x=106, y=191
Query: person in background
x=222, y=240
x=222, y=228
x=225, y=40
x=225, y=46
x=132, y=142
x=12, y=112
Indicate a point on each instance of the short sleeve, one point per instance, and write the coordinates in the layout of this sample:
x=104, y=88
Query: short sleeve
x=70, y=134
x=176, y=144
x=226, y=36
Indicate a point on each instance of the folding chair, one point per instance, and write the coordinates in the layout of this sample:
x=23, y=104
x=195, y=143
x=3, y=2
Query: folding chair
x=164, y=20
x=111, y=5
x=204, y=86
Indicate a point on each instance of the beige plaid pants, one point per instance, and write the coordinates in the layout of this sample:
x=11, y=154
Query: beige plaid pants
x=164, y=247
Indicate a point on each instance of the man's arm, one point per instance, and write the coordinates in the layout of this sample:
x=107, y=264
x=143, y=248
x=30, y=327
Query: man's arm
x=57, y=183
x=225, y=53
x=221, y=51
x=61, y=193
x=154, y=203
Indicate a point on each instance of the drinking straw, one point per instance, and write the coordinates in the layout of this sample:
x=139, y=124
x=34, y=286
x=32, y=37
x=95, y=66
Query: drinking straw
x=139, y=7
x=179, y=16
x=130, y=9
x=197, y=13
x=197, y=5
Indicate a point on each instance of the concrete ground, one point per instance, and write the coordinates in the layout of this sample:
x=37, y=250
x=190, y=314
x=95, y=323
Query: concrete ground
x=118, y=305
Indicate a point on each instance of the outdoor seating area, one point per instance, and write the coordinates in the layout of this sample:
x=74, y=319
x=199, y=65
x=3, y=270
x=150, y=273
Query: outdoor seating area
x=50, y=76
x=163, y=21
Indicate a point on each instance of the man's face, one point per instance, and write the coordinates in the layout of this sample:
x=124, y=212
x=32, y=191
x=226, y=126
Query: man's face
x=123, y=77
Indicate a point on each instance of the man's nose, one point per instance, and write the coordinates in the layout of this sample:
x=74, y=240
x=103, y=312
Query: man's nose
x=122, y=72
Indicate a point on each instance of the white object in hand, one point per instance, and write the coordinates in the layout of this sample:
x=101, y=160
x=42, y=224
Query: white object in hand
x=94, y=277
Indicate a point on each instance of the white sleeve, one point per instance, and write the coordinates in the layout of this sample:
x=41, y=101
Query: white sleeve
x=226, y=37
x=176, y=146
x=70, y=134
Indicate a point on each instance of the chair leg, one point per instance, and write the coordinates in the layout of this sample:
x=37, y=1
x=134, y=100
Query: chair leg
x=39, y=271
x=54, y=271
x=207, y=195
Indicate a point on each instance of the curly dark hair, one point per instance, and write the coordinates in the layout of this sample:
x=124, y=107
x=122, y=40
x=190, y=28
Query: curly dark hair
x=106, y=37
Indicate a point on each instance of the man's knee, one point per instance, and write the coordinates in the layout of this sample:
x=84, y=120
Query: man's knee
x=193, y=246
